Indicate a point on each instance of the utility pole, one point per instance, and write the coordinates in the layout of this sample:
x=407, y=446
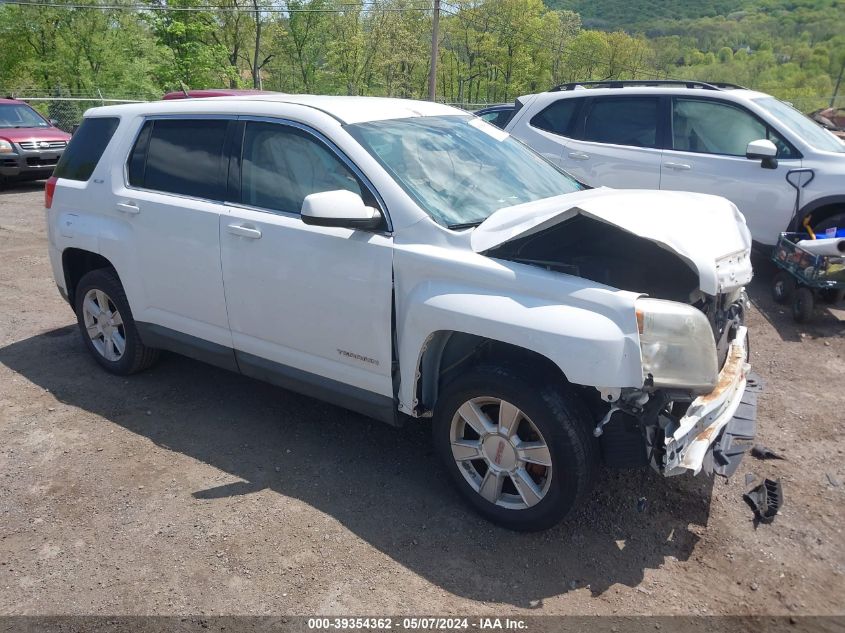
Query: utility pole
x=838, y=83
x=435, y=43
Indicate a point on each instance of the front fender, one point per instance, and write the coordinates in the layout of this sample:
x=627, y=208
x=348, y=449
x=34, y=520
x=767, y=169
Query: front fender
x=592, y=344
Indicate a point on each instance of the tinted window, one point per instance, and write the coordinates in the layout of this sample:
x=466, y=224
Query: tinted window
x=185, y=157
x=85, y=148
x=710, y=127
x=558, y=117
x=138, y=157
x=281, y=165
x=499, y=118
x=623, y=121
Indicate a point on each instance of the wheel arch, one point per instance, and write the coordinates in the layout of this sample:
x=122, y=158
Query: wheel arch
x=447, y=353
x=76, y=263
x=820, y=209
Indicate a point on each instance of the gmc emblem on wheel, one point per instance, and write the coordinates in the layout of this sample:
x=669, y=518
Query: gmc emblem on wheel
x=499, y=449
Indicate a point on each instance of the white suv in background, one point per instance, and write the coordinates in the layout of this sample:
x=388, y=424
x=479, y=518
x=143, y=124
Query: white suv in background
x=407, y=260
x=691, y=136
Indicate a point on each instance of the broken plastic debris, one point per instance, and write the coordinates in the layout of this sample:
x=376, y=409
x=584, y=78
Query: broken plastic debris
x=765, y=500
x=764, y=452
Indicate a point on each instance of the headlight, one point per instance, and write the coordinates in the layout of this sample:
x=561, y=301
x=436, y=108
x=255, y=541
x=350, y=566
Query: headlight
x=677, y=345
x=5, y=147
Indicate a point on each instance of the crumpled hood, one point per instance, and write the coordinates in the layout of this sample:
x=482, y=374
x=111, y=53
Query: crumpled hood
x=708, y=232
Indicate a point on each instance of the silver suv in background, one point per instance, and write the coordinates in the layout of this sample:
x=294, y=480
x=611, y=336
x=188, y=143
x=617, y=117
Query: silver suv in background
x=775, y=164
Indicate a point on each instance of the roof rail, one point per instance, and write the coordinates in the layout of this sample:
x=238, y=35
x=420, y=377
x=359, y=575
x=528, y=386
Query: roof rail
x=622, y=83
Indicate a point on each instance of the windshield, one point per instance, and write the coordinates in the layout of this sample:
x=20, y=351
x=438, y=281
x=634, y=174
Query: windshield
x=460, y=169
x=19, y=115
x=806, y=128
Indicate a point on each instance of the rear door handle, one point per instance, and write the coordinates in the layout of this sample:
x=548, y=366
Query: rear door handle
x=244, y=231
x=128, y=207
x=678, y=166
x=578, y=156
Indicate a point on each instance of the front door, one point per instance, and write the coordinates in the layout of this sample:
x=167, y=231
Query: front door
x=707, y=155
x=309, y=307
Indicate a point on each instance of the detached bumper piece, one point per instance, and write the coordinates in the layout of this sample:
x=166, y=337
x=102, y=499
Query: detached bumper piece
x=765, y=500
x=719, y=426
x=738, y=435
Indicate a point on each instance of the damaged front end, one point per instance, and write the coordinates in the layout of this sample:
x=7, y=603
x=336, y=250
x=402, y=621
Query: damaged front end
x=696, y=408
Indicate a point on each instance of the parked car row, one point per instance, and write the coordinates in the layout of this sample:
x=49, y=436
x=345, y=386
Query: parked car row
x=778, y=166
x=411, y=262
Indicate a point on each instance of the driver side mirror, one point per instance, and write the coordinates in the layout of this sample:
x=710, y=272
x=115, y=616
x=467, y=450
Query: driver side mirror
x=340, y=208
x=764, y=151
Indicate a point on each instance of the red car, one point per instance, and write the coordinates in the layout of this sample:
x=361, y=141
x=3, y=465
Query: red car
x=215, y=92
x=30, y=146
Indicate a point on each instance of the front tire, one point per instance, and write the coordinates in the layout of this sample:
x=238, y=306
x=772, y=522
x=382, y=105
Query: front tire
x=518, y=450
x=106, y=324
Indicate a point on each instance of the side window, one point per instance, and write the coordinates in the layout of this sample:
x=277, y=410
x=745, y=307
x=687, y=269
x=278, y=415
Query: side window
x=558, y=117
x=138, y=158
x=710, y=127
x=282, y=164
x=623, y=121
x=85, y=148
x=183, y=156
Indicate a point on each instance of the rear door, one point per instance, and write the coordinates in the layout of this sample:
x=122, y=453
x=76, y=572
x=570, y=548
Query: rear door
x=707, y=154
x=170, y=203
x=309, y=306
x=617, y=143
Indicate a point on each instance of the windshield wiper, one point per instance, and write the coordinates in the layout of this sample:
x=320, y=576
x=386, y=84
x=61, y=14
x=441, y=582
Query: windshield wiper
x=465, y=225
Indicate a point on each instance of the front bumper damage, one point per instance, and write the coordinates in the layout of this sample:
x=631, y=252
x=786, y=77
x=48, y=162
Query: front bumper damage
x=714, y=432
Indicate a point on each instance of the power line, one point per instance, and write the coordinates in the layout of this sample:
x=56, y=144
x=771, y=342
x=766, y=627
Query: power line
x=219, y=8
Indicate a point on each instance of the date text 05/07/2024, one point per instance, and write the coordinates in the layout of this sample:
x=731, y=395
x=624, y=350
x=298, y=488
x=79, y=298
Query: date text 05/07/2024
x=412, y=623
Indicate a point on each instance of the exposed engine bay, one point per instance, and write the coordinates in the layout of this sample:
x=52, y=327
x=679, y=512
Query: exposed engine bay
x=636, y=428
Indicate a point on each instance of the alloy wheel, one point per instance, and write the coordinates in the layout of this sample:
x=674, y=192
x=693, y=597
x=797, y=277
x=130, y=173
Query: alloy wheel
x=501, y=453
x=104, y=325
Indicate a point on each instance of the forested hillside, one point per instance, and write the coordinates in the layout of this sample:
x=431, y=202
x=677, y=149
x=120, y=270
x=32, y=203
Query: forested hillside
x=612, y=14
x=490, y=50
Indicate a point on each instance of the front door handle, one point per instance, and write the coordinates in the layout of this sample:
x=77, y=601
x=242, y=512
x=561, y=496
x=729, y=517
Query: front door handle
x=242, y=230
x=127, y=206
x=578, y=156
x=678, y=166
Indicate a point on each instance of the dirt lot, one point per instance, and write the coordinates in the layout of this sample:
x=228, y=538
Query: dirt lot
x=190, y=490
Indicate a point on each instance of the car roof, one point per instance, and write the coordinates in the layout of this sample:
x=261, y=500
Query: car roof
x=9, y=100
x=343, y=109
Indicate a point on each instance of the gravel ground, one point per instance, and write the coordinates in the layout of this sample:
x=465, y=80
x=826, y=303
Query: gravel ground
x=190, y=490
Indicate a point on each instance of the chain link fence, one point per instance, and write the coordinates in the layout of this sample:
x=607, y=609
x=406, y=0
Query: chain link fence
x=66, y=112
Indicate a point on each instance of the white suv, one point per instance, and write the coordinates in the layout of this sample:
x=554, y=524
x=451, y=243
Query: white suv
x=406, y=260
x=693, y=136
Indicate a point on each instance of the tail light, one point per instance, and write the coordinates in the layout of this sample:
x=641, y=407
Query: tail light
x=49, y=190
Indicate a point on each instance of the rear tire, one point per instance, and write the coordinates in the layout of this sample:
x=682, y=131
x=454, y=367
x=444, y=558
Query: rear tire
x=783, y=287
x=106, y=324
x=802, y=305
x=526, y=474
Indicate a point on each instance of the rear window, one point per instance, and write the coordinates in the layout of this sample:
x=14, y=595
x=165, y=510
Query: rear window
x=181, y=156
x=557, y=118
x=86, y=148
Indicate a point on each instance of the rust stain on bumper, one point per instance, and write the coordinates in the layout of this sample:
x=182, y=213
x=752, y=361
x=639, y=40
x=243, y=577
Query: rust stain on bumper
x=727, y=377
